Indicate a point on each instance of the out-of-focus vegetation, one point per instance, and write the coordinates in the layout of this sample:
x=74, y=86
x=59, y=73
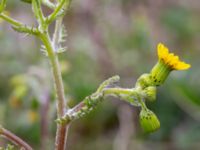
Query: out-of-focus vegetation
x=104, y=38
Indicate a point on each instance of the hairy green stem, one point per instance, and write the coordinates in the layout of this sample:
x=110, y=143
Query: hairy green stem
x=61, y=129
x=117, y=91
x=18, y=26
x=52, y=46
x=53, y=16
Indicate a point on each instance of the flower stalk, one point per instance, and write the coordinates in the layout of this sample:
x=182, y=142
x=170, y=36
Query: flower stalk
x=144, y=90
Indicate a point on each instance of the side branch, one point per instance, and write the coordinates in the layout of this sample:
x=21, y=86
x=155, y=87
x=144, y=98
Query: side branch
x=10, y=20
x=15, y=139
x=18, y=26
x=89, y=103
x=134, y=96
x=59, y=11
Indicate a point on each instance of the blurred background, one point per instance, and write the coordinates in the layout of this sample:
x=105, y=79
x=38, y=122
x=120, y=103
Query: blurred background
x=105, y=38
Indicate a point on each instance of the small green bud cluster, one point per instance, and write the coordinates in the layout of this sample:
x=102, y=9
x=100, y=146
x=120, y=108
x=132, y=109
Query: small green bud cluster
x=144, y=90
x=150, y=93
x=148, y=120
x=144, y=81
x=146, y=85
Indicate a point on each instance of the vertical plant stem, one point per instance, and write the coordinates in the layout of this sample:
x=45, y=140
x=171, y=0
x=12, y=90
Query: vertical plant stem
x=45, y=98
x=62, y=130
x=61, y=108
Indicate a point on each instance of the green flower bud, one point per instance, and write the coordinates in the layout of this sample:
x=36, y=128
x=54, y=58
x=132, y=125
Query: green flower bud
x=149, y=121
x=144, y=81
x=150, y=93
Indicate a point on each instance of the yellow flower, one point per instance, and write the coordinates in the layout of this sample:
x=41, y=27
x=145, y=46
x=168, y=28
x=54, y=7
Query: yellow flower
x=166, y=63
x=170, y=59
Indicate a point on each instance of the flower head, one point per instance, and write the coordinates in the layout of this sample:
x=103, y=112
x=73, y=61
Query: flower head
x=167, y=62
x=170, y=59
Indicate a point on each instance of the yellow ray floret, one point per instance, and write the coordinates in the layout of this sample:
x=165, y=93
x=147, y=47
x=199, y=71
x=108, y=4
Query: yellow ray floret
x=170, y=59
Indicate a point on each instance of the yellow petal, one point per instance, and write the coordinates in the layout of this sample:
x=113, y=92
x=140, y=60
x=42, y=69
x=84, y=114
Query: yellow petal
x=165, y=52
x=174, y=61
x=169, y=58
x=162, y=51
x=159, y=49
x=182, y=66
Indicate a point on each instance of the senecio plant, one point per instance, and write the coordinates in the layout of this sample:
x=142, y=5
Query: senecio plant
x=144, y=90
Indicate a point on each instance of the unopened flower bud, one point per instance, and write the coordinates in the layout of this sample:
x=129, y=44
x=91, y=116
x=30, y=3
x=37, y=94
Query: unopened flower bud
x=150, y=93
x=144, y=81
x=149, y=121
